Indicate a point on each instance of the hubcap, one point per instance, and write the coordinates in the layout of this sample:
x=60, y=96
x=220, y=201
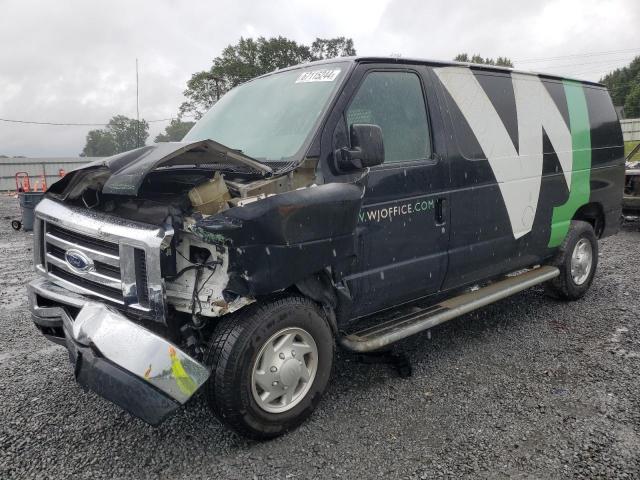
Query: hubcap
x=581, y=261
x=284, y=370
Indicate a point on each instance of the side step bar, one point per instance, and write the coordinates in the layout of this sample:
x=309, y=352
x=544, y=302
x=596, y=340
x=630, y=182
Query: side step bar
x=396, y=329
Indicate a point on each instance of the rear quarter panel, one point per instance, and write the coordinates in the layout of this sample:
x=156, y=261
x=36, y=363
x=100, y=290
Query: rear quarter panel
x=498, y=122
x=607, y=157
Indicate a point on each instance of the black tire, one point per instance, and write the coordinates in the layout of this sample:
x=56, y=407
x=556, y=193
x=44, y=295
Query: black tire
x=563, y=286
x=233, y=349
x=16, y=224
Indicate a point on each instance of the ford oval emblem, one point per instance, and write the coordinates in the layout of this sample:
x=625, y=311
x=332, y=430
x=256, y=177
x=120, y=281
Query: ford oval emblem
x=78, y=261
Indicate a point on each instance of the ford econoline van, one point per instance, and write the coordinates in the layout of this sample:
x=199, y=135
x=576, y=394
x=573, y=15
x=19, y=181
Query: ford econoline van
x=301, y=206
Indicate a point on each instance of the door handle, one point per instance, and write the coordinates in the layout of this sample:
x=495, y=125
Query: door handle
x=441, y=211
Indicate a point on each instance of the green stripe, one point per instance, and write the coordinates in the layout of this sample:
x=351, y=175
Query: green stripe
x=581, y=169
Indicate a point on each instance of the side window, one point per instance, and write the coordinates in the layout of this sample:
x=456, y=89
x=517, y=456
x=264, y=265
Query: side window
x=394, y=101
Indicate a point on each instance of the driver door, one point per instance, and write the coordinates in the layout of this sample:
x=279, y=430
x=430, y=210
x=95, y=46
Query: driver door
x=404, y=220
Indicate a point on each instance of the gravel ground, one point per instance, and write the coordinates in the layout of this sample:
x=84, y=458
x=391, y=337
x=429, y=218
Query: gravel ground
x=529, y=387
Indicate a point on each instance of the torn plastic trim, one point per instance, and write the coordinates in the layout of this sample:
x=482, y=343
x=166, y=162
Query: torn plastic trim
x=123, y=342
x=138, y=351
x=120, y=387
x=51, y=308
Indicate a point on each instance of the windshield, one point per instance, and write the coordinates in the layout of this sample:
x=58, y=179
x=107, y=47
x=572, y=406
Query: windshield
x=270, y=118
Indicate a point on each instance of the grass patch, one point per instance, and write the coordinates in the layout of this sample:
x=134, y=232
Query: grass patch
x=628, y=146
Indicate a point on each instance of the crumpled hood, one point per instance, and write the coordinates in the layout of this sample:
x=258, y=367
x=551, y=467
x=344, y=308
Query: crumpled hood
x=129, y=169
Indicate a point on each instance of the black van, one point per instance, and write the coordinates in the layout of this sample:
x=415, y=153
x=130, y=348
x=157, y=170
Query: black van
x=303, y=204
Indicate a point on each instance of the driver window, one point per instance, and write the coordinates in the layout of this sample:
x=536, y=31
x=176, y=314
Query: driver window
x=394, y=101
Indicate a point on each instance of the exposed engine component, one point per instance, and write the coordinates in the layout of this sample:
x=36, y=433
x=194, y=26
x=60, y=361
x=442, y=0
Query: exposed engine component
x=198, y=287
x=210, y=197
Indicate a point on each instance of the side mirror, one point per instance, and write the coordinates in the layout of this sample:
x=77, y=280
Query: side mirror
x=367, y=148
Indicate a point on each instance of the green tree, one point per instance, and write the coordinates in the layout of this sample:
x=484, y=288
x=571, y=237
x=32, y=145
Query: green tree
x=175, y=131
x=100, y=143
x=476, y=58
x=332, y=48
x=632, y=102
x=504, y=62
x=250, y=58
x=621, y=83
x=203, y=90
x=121, y=134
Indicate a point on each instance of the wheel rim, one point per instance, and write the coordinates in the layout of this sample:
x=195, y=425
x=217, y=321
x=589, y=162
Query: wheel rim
x=284, y=370
x=581, y=261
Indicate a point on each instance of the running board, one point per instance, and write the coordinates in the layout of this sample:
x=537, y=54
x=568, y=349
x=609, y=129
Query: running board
x=404, y=326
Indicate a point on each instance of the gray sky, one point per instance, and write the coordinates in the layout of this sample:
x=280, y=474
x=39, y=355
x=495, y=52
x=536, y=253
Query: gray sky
x=74, y=60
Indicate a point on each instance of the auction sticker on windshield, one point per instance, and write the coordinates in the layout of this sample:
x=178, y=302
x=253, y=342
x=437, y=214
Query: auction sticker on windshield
x=324, y=75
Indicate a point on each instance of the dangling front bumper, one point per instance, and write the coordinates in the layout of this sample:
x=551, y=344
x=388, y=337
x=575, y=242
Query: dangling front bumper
x=118, y=359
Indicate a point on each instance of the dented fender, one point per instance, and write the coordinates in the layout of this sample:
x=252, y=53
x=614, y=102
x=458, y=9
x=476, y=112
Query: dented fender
x=282, y=239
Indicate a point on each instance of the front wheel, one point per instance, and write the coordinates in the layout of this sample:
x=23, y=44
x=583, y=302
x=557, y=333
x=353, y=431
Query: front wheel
x=270, y=364
x=577, y=260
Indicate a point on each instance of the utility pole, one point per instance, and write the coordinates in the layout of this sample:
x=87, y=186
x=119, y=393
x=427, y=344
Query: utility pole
x=137, y=109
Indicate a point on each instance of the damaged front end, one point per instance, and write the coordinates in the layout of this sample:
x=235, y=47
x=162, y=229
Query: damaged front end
x=141, y=253
x=131, y=366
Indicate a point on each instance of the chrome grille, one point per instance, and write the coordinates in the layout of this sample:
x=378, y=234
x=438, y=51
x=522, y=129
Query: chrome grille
x=86, y=241
x=141, y=276
x=104, y=280
x=125, y=256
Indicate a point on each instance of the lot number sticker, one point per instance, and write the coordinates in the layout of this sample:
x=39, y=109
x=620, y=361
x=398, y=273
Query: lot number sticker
x=324, y=75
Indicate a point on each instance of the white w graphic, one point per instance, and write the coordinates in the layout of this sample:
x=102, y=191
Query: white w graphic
x=518, y=173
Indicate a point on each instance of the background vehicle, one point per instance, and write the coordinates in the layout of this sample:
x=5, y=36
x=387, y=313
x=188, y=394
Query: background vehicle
x=309, y=199
x=631, y=198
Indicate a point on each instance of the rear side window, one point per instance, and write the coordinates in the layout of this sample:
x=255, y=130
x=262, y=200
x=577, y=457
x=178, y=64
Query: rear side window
x=394, y=101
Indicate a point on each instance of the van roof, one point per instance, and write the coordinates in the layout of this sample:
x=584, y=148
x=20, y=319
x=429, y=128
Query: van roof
x=419, y=61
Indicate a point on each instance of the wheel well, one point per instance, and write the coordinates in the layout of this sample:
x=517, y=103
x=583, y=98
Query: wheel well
x=319, y=287
x=593, y=214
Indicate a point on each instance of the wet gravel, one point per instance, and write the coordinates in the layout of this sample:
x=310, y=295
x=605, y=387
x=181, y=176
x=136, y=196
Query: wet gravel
x=529, y=387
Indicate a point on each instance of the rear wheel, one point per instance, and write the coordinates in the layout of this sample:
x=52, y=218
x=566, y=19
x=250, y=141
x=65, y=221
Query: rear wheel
x=577, y=260
x=270, y=364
